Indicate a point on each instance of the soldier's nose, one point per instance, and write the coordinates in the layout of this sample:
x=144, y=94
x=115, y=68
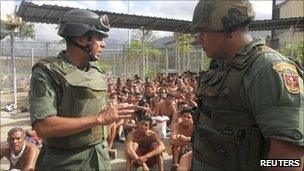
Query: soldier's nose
x=103, y=44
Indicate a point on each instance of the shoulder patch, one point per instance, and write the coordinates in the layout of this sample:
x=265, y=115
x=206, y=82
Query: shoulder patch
x=290, y=76
x=285, y=66
x=292, y=83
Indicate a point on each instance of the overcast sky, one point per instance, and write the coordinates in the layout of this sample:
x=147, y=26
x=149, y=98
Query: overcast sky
x=182, y=10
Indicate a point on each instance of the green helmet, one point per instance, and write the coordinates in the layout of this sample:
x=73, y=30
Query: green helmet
x=220, y=15
x=77, y=22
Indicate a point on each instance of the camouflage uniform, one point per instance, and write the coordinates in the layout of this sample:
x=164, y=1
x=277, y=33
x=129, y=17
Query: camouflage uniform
x=257, y=95
x=59, y=88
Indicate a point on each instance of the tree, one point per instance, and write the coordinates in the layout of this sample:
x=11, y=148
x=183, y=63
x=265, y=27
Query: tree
x=185, y=42
x=134, y=52
x=141, y=46
x=25, y=30
x=146, y=36
x=297, y=50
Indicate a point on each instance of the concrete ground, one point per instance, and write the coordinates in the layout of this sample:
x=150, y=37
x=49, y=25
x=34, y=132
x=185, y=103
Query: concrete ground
x=16, y=118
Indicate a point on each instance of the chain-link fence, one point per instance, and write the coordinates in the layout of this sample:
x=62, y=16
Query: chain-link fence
x=118, y=60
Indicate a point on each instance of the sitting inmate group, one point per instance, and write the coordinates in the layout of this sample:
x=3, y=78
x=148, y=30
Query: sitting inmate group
x=247, y=107
x=170, y=97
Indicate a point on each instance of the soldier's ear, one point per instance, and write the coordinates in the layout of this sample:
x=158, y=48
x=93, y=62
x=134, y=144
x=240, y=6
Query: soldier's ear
x=229, y=34
x=82, y=40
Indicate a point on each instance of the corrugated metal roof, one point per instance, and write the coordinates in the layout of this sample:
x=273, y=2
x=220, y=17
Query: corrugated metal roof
x=283, y=23
x=51, y=13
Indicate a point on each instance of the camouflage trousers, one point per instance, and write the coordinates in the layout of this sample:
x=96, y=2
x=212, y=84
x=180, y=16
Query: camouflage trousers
x=94, y=157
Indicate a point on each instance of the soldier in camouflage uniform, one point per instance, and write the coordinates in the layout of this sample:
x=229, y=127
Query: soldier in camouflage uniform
x=251, y=107
x=68, y=98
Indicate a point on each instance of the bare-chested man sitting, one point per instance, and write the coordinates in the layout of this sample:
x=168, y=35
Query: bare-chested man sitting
x=180, y=136
x=166, y=107
x=21, y=154
x=144, y=147
x=185, y=163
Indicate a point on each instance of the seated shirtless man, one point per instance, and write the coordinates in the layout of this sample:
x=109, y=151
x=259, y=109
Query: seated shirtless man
x=180, y=137
x=22, y=155
x=166, y=107
x=185, y=163
x=144, y=147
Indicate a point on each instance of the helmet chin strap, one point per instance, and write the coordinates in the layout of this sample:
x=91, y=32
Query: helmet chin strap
x=87, y=48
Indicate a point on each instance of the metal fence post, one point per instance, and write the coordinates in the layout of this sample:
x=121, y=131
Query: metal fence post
x=123, y=61
x=177, y=53
x=14, y=67
x=188, y=62
x=47, y=49
x=143, y=55
x=32, y=57
x=114, y=63
x=167, y=60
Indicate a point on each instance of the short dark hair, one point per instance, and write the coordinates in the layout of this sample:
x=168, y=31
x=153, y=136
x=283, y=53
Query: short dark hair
x=185, y=111
x=146, y=118
x=15, y=129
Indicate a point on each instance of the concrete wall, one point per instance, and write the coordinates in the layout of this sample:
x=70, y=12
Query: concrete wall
x=291, y=8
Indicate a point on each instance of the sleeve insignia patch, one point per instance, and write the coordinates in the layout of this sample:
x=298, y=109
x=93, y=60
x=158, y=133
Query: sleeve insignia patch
x=290, y=76
x=282, y=66
x=292, y=82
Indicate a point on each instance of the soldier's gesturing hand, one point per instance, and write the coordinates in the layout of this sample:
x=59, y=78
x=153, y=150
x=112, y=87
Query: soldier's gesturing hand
x=115, y=113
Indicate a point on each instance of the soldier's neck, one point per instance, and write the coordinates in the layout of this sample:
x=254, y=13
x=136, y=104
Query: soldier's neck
x=235, y=44
x=77, y=57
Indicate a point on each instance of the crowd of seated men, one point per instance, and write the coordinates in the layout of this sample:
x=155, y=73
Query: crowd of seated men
x=164, y=99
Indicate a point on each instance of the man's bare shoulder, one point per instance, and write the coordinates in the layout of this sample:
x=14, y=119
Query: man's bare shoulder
x=131, y=135
x=161, y=103
x=153, y=135
x=31, y=147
